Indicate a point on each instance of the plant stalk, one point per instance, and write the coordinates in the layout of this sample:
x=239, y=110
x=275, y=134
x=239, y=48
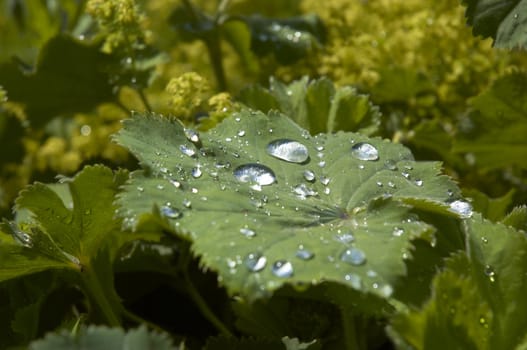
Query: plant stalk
x=98, y=298
x=352, y=339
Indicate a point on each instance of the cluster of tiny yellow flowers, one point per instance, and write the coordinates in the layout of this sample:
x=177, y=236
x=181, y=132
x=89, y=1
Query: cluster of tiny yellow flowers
x=124, y=25
x=187, y=94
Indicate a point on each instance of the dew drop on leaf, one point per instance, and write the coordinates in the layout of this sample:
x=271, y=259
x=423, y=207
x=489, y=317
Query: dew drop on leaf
x=462, y=208
x=168, y=211
x=188, y=151
x=353, y=256
x=191, y=135
x=418, y=182
x=303, y=191
x=241, y=133
x=288, y=150
x=345, y=237
x=187, y=203
x=247, y=232
x=354, y=280
x=397, y=232
x=364, y=151
x=255, y=173
x=490, y=273
x=196, y=172
x=390, y=164
x=255, y=262
x=20, y=236
x=309, y=175
x=282, y=268
x=324, y=180
x=303, y=253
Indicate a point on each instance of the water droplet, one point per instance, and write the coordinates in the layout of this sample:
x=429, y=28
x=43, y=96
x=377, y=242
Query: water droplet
x=187, y=203
x=85, y=130
x=194, y=190
x=346, y=237
x=302, y=191
x=223, y=165
x=288, y=150
x=160, y=187
x=353, y=256
x=255, y=262
x=379, y=184
x=391, y=184
x=168, y=211
x=386, y=290
x=390, y=164
x=188, y=151
x=406, y=175
x=192, y=135
x=462, y=208
x=140, y=188
x=322, y=163
x=397, y=232
x=247, y=232
x=354, y=280
x=516, y=16
x=450, y=193
x=241, y=133
x=418, y=182
x=20, y=236
x=255, y=173
x=282, y=268
x=309, y=175
x=364, y=151
x=490, y=273
x=324, y=180
x=484, y=240
x=196, y=172
x=327, y=190
x=175, y=183
x=303, y=253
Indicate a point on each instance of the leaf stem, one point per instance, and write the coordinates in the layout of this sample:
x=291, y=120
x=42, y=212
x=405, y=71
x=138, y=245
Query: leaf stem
x=98, y=299
x=136, y=318
x=352, y=340
x=144, y=100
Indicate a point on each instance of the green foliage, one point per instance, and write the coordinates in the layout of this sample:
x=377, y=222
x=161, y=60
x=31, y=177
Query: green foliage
x=504, y=21
x=262, y=217
x=318, y=105
x=97, y=337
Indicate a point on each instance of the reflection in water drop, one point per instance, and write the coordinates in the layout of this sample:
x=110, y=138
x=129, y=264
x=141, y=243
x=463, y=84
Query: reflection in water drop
x=354, y=280
x=192, y=135
x=303, y=191
x=168, y=211
x=288, y=150
x=188, y=151
x=309, y=175
x=345, y=237
x=365, y=151
x=282, y=268
x=303, y=253
x=255, y=173
x=353, y=256
x=255, y=262
x=462, y=208
x=247, y=232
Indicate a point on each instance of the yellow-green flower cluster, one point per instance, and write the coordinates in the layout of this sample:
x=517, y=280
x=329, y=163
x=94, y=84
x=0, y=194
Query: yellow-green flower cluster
x=124, y=25
x=187, y=93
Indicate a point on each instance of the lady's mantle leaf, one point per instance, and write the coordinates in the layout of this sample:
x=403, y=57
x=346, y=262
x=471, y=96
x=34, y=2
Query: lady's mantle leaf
x=478, y=302
x=95, y=338
x=496, y=130
x=317, y=105
x=503, y=20
x=266, y=203
x=63, y=235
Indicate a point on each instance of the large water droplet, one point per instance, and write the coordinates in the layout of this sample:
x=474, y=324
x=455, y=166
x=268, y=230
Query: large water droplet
x=303, y=253
x=365, y=151
x=282, y=268
x=302, y=191
x=196, y=172
x=353, y=256
x=255, y=262
x=188, y=151
x=247, y=232
x=170, y=212
x=255, y=173
x=288, y=150
x=20, y=236
x=309, y=175
x=462, y=208
x=192, y=135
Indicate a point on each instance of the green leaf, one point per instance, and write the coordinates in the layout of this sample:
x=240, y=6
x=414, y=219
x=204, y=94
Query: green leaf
x=398, y=84
x=237, y=34
x=496, y=136
x=503, y=20
x=517, y=218
x=69, y=77
x=317, y=105
x=96, y=337
x=333, y=212
x=477, y=301
x=288, y=39
x=494, y=209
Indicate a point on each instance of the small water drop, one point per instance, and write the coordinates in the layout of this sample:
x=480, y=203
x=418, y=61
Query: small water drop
x=288, y=150
x=418, y=182
x=196, y=172
x=256, y=174
x=346, y=237
x=390, y=164
x=168, y=211
x=241, y=133
x=391, y=184
x=175, y=183
x=516, y=16
x=450, y=193
x=282, y=268
x=405, y=174
x=160, y=187
x=140, y=188
x=484, y=240
x=354, y=280
x=192, y=135
x=20, y=236
x=303, y=191
x=327, y=190
x=324, y=180
x=309, y=175
x=303, y=253
x=247, y=232
x=187, y=203
x=353, y=256
x=490, y=273
x=379, y=184
x=397, y=231
x=462, y=208
x=255, y=262
x=322, y=163
x=188, y=151
x=365, y=151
